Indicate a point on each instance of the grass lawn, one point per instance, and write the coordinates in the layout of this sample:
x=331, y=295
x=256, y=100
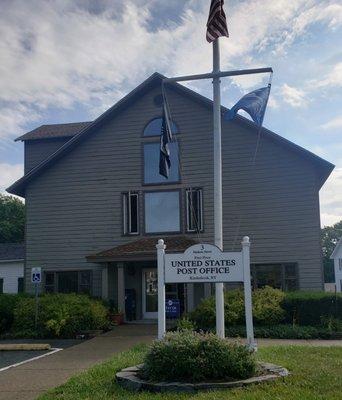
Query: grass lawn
x=316, y=373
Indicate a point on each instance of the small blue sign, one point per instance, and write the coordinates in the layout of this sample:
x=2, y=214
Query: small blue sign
x=172, y=308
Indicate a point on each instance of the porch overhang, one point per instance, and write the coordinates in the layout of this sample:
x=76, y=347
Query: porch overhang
x=142, y=249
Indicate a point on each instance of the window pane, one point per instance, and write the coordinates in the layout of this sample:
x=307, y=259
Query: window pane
x=194, y=204
x=151, y=163
x=153, y=128
x=67, y=282
x=85, y=282
x=162, y=212
x=134, y=214
x=269, y=275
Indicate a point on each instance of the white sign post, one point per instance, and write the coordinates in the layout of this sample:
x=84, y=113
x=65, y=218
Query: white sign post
x=202, y=263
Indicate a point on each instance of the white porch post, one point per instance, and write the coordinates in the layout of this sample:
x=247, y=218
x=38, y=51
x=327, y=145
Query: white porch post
x=248, y=292
x=161, y=289
x=121, y=288
x=219, y=297
x=105, y=282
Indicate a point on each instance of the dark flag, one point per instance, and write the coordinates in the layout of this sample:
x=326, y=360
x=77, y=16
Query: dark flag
x=254, y=103
x=217, y=24
x=165, y=139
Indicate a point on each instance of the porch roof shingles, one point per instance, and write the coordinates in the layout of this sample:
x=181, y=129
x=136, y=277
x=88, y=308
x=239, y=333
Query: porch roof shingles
x=142, y=248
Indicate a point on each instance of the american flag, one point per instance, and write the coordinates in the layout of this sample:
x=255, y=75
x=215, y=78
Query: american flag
x=217, y=24
x=165, y=139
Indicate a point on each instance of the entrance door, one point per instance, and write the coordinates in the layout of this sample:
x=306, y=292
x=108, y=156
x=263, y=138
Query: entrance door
x=150, y=293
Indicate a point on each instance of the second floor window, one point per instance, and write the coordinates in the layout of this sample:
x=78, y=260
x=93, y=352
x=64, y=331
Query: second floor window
x=194, y=210
x=151, y=164
x=130, y=208
x=162, y=212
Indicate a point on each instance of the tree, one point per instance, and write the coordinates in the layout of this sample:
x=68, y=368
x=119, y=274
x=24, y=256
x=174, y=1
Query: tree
x=330, y=236
x=12, y=219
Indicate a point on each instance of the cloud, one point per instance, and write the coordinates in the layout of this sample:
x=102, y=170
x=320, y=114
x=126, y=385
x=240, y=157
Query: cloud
x=293, y=96
x=9, y=173
x=331, y=80
x=335, y=123
x=62, y=53
x=331, y=199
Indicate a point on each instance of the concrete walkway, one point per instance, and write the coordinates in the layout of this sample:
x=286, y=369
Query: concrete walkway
x=29, y=380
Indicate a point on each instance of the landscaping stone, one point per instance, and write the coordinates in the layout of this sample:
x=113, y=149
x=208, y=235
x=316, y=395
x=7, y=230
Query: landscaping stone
x=129, y=379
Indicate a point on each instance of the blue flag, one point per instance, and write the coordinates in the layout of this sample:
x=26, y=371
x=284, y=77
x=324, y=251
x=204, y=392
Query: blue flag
x=254, y=103
x=165, y=139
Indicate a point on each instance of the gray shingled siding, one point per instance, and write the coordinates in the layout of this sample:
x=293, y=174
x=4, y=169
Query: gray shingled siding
x=38, y=150
x=74, y=208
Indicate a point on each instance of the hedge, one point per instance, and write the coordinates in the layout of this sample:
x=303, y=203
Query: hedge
x=273, y=307
x=8, y=303
x=60, y=315
x=267, y=308
x=312, y=308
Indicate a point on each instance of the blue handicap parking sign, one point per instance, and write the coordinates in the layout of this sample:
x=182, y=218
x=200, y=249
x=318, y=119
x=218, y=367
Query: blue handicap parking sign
x=36, y=275
x=172, y=308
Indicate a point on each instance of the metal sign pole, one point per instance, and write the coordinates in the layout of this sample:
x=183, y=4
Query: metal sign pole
x=36, y=305
x=161, y=289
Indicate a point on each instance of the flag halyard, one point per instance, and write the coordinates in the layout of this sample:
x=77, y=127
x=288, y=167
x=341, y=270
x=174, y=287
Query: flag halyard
x=217, y=23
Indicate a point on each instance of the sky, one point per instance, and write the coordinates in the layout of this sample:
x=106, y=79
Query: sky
x=70, y=60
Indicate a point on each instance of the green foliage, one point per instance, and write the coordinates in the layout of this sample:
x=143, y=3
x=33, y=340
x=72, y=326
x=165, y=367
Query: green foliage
x=12, y=219
x=60, y=315
x=185, y=324
x=193, y=357
x=286, y=332
x=7, y=306
x=266, y=308
x=330, y=236
x=312, y=308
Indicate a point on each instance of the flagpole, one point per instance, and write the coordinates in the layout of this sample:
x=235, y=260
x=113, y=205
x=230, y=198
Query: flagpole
x=219, y=297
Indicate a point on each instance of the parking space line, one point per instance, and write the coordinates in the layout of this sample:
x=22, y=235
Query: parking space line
x=53, y=350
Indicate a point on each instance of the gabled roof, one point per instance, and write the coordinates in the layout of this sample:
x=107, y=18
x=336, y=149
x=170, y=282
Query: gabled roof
x=155, y=79
x=54, y=131
x=142, y=249
x=338, y=245
x=12, y=251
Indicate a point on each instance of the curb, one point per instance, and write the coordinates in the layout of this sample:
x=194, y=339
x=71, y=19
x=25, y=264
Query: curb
x=24, y=346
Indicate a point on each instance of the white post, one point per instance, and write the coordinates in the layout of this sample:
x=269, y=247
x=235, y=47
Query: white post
x=248, y=292
x=121, y=288
x=219, y=297
x=161, y=289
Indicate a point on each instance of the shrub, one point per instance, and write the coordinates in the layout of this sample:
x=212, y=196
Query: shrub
x=312, y=308
x=60, y=315
x=285, y=332
x=185, y=324
x=193, y=357
x=7, y=305
x=266, y=308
